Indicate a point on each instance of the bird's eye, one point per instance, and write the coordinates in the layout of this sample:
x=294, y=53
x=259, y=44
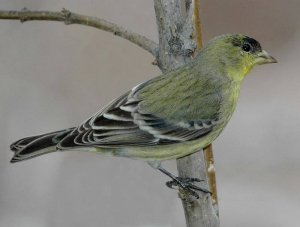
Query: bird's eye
x=247, y=47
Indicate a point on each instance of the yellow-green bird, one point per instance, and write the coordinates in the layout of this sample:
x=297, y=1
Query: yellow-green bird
x=167, y=117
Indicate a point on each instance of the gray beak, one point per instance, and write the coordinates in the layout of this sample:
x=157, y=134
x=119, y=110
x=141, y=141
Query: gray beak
x=264, y=58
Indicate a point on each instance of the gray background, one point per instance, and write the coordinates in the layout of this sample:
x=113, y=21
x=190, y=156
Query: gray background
x=54, y=76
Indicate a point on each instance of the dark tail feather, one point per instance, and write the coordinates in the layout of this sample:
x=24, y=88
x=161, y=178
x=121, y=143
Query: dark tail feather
x=34, y=146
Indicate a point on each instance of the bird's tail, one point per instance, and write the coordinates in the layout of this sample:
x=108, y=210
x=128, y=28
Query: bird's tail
x=34, y=146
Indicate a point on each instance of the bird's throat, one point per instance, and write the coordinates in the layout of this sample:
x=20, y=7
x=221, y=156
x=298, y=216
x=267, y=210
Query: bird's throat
x=239, y=73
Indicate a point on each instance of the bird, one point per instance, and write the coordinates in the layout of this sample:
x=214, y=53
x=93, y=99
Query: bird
x=167, y=117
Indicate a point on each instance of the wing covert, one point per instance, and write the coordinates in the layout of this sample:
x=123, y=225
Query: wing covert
x=124, y=122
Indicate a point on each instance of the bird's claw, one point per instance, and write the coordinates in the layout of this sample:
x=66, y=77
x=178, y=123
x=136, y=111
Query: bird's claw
x=187, y=185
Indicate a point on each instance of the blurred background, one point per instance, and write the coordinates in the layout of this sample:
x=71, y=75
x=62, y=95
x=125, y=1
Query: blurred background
x=54, y=76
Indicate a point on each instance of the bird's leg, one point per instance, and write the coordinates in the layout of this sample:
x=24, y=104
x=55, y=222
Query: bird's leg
x=184, y=183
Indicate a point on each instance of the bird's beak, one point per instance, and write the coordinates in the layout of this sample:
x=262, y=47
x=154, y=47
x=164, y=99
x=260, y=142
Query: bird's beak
x=264, y=58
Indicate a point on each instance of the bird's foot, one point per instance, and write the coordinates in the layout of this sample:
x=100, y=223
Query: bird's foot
x=186, y=184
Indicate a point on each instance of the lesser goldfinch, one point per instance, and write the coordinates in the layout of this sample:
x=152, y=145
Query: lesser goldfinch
x=167, y=117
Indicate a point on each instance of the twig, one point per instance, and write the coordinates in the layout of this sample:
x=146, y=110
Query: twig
x=208, y=151
x=69, y=18
x=211, y=172
x=197, y=24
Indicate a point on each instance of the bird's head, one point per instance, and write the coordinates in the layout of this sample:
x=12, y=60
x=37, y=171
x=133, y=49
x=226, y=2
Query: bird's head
x=237, y=54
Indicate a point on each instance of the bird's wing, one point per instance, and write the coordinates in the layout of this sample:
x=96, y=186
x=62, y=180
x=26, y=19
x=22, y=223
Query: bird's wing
x=125, y=122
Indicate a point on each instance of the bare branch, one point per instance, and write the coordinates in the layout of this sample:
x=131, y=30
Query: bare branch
x=208, y=151
x=176, y=43
x=180, y=35
x=211, y=172
x=197, y=25
x=198, y=212
x=73, y=18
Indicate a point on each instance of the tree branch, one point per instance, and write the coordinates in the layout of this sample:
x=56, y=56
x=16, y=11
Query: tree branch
x=208, y=151
x=180, y=36
x=197, y=24
x=198, y=212
x=211, y=172
x=73, y=18
x=176, y=44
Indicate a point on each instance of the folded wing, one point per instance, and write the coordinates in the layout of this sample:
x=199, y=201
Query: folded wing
x=125, y=123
